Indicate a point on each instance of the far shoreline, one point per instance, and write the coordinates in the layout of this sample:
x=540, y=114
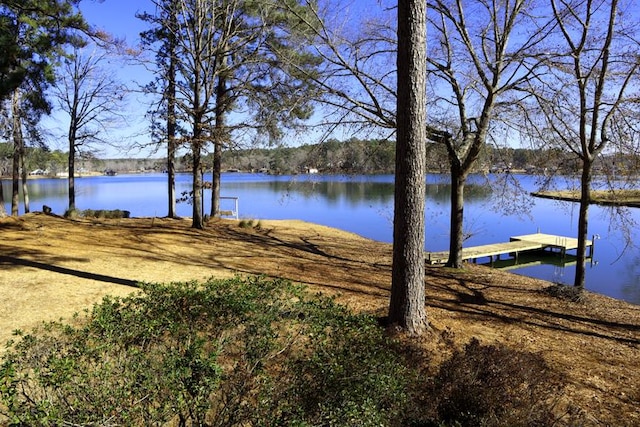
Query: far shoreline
x=627, y=198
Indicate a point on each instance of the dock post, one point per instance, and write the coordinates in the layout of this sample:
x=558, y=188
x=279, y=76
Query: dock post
x=593, y=244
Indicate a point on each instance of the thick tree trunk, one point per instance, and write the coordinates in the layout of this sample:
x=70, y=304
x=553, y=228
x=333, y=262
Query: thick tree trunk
x=15, y=180
x=407, y=302
x=583, y=223
x=456, y=223
x=196, y=152
x=216, y=175
x=171, y=177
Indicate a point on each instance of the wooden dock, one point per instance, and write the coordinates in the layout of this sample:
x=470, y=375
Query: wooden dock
x=516, y=245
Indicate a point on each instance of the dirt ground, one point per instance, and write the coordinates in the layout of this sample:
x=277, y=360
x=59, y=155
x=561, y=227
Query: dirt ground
x=52, y=267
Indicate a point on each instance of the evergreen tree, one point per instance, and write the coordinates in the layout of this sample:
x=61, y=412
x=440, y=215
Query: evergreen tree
x=32, y=36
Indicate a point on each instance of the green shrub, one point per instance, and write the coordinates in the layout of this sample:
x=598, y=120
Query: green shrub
x=234, y=352
x=100, y=213
x=348, y=373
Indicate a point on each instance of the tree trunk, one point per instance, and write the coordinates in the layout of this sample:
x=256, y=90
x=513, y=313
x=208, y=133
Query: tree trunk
x=71, y=179
x=3, y=210
x=196, y=149
x=15, y=188
x=25, y=188
x=197, y=115
x=17, y=149
x=219, y=135
x=407, y=302
x=583, y=223
x=171, y=176
x=171, y=116
x=197, y=186
x=456, y=240
x=216, y=175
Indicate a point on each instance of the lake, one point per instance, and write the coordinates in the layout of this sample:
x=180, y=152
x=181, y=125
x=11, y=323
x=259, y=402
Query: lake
x=364, y=205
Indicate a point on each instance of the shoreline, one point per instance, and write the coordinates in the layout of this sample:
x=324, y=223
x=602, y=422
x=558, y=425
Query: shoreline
x=627, y=198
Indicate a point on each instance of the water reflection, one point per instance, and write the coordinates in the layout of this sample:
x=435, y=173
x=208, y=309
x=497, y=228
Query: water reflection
x=629, y=286
x=356, y=192
x=472, y=192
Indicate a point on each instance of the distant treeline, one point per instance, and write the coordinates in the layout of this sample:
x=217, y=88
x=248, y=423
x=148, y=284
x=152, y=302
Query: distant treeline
x=354, y=156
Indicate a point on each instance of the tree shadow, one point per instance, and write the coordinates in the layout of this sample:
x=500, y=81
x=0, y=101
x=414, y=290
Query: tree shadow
x=69, y=271
x=464, y=296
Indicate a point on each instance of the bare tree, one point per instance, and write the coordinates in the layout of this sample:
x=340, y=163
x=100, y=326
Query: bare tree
x=475, y=61
x=407, y=303
x=92, y=97
x=357, y=79
x=585, y=102
x=480, y=53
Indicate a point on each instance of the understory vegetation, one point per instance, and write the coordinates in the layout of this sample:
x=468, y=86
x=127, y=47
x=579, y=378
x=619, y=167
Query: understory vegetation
x=99, y=213
x=256, y=351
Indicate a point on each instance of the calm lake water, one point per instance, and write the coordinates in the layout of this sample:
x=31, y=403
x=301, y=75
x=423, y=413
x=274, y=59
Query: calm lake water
x=364, y=205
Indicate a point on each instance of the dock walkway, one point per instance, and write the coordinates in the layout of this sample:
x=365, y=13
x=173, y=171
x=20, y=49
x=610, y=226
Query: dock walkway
x=516, y=245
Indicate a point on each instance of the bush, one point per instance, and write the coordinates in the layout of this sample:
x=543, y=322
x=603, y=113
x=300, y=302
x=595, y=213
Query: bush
x=234, y=352
x=492, y=385
x=100, y=213
x=348, y=374
x=249, y=223
x=565, y=292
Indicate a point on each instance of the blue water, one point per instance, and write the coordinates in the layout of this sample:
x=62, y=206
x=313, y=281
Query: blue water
x=364, y=205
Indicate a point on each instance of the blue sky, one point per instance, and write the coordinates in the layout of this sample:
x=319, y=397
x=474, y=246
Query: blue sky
x=117, y=16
